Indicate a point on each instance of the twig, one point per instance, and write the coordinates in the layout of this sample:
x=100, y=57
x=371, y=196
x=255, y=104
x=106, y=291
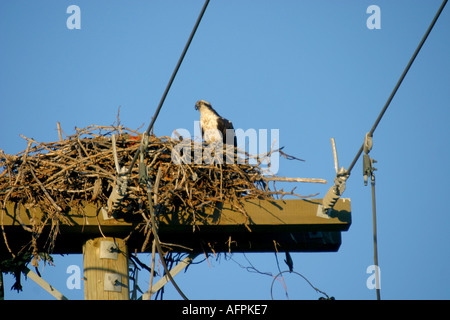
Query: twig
x=59, y=131
x=284, y=193
x=152, y=268
x=44, y=190
x=286, y=179
x=114, y=149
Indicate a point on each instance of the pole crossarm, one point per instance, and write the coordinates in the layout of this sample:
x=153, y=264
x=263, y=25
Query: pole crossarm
x=44, y=284
x=291, y=224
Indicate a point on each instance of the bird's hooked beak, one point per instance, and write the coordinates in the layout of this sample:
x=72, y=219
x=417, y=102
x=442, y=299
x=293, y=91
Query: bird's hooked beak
x=198, y=104
x=202, y=103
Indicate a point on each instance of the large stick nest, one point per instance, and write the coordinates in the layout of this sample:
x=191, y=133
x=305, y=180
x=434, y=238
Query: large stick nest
x=62, y=175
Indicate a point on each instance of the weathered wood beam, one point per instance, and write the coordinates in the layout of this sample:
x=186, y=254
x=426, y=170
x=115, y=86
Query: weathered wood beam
x=292, y=224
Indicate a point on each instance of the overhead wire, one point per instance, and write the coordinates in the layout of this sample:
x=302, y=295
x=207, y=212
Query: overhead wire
x=399, y=82
x=172, y=78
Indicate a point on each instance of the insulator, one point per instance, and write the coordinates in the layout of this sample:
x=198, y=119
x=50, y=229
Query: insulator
x=330, y=199
x=335, y=192
x=118, y=193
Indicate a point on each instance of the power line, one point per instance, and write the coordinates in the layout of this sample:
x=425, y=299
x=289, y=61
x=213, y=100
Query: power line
x=380, y=116
x=172, y=78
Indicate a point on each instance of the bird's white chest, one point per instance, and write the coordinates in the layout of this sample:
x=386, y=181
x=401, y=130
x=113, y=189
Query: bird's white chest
x=208, y=121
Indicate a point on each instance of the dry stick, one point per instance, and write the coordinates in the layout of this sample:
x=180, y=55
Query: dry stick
x=170, y=245
x=45, y=147
x=59, y=131
x=114, y=150
x=24, y=226
x=99, y=226
x=147, y=237
x=71, y=191
x=284, y=193
x=19, y=175
x=77, y=162
x=4, y=173
x=82, y=147
x=152, y=268
x=286, y=179
x=44, y=190
x=51, y=163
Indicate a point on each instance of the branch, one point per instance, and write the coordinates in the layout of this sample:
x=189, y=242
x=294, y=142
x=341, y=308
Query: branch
x=285, y=179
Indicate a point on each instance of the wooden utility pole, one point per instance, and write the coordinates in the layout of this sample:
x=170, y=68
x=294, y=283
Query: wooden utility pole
x=105, y=269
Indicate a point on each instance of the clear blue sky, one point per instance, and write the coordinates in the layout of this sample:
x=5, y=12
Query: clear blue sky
x=311, y=69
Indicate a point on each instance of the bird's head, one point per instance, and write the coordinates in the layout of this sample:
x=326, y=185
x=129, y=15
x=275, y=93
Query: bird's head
x=202, y=103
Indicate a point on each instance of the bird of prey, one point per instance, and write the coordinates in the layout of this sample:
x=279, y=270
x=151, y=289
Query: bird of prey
x=214, y=127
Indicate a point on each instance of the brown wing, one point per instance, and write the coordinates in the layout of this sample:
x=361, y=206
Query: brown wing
x=225, y=126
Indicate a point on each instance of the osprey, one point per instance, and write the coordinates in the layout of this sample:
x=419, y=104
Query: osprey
x=214, y=127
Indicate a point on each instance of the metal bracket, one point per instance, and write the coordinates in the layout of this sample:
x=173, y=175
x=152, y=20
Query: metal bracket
x=368, y=162
x=368, y=168
x=112, y=282
x=105, y=214
x=108, y=250
x=368, y=143
x=320, y=212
